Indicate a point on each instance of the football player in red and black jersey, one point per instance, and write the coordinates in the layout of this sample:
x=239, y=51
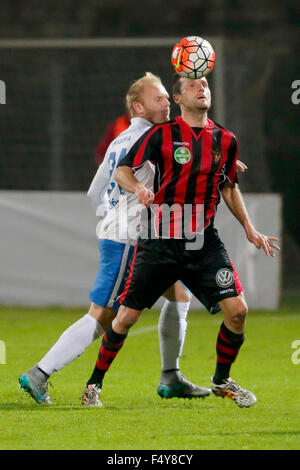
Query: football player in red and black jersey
x=196, y=163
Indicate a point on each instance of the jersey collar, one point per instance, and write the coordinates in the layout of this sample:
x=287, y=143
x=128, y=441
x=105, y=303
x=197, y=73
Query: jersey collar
x=140, y=122
x=207, y=126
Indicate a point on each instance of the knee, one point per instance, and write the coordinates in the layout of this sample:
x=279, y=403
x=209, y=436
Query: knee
x=177, y=293
x=103, y=315
x=239, y=313
x=126, y=317
x=183, y=296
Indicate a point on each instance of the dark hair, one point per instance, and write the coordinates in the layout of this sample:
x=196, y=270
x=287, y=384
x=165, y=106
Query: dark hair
x=176, y=84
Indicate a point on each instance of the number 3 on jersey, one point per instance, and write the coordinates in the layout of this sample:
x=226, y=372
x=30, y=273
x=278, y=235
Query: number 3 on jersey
x=113, y=161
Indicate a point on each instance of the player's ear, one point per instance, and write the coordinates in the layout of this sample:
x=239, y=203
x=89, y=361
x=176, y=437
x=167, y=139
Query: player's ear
x=176, y=99
x=138, y=107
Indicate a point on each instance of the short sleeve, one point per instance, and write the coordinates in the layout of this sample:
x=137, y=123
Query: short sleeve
x=146, y=148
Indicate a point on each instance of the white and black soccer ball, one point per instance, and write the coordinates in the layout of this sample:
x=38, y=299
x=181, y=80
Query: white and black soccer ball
x=193, y=57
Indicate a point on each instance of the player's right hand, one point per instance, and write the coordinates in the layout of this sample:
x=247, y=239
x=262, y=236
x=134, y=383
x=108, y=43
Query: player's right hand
x=144, y=195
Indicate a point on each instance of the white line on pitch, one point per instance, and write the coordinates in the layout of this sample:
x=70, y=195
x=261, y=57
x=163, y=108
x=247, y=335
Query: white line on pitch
x=139, y=331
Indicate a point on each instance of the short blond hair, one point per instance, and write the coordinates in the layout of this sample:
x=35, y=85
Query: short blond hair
x=136, y=89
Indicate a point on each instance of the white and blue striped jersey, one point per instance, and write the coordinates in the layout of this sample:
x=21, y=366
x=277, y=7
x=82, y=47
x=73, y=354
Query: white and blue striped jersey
x=121, y=223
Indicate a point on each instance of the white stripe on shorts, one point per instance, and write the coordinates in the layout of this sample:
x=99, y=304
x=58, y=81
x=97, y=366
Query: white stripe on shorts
x=120, y=275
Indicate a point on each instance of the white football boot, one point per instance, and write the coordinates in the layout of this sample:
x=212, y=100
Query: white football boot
x=230, y=389
x=90, y=396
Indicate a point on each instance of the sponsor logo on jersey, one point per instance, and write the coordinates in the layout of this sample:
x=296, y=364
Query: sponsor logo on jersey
x=224, y=277
x=182, y=143
x=182, y=155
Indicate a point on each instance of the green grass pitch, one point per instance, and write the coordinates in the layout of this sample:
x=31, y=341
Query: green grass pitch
x=133, y=415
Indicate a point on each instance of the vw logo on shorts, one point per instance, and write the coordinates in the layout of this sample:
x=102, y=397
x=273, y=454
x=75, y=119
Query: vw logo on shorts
x=224, y=277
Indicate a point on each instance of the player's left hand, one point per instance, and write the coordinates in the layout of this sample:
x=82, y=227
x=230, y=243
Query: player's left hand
x=263, y=241
x=241, y=166
x=144, y=195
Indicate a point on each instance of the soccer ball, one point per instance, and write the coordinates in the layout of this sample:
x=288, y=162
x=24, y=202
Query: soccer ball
x=193, y=57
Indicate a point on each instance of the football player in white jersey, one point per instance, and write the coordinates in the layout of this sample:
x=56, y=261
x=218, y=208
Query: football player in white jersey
x=148, y=104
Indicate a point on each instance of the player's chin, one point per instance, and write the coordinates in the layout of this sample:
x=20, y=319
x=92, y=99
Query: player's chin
x=203, y=106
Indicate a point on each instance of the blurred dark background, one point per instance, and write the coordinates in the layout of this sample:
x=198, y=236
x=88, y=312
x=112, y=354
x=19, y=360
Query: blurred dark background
x=60, y=100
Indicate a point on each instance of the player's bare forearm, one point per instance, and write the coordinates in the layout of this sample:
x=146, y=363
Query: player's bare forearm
x=125, y=178
x=234, y=201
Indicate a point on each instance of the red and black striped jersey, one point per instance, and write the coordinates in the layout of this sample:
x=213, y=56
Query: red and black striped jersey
x=189, y=168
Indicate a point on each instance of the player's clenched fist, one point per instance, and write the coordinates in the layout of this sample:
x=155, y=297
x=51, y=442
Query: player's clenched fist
x=144, y=195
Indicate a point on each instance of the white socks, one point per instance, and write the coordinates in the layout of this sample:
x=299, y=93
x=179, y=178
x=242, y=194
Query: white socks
x=171, y=331
x=71, y=344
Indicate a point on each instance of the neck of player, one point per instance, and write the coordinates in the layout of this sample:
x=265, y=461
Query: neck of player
x=195, y=118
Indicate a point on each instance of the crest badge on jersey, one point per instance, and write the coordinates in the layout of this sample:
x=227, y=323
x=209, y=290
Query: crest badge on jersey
x=216, y=156
x=182, y=155
x=224, y=277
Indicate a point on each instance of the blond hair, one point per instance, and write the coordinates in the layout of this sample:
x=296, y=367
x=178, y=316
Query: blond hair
x=136, y=90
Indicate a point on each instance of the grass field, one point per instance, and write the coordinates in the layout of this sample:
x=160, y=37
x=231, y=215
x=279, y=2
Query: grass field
x=133, y=415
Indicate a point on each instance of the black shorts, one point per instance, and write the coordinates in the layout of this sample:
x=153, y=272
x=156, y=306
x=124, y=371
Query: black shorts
x=158, y=263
